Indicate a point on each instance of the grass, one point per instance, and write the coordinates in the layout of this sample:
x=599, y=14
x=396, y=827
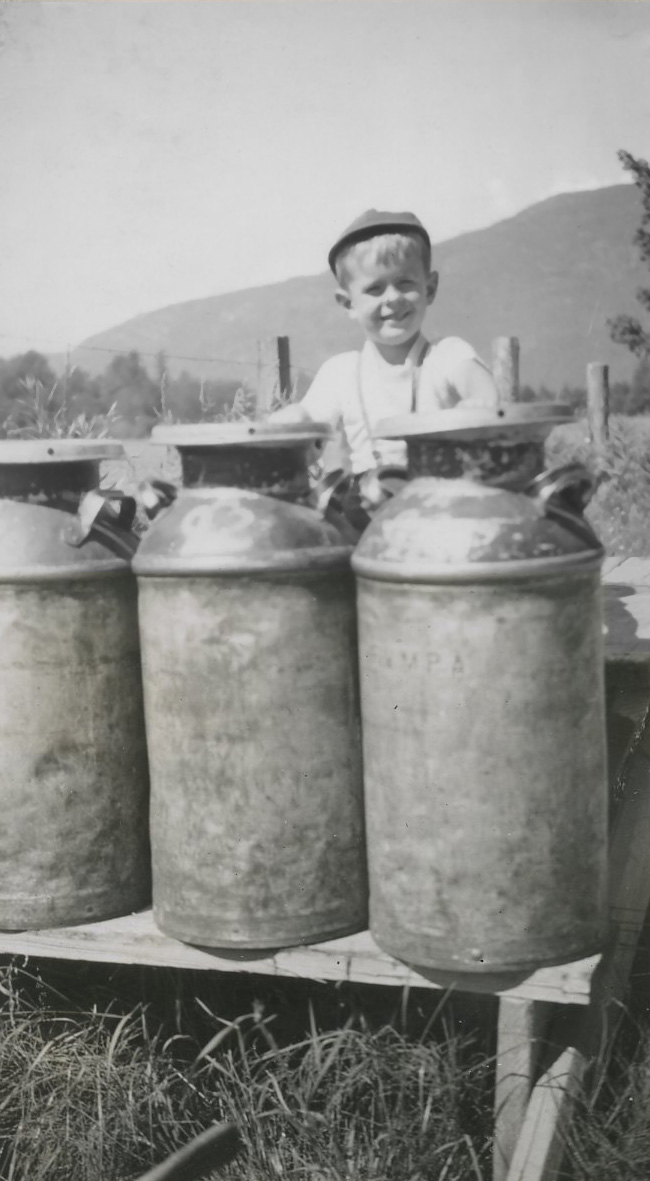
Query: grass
x=609, y=1136
x=106, y=1092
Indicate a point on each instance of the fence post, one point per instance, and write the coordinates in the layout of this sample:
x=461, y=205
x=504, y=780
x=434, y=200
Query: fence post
x=273, y=372
x=598, y=404
x=505, y=367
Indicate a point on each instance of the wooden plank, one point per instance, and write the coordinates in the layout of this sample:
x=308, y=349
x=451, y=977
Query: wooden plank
x=609, y=566
x=627, y=688
x=538, y=1154
x=627, y=621
x=134, y=939
x=632, y=571
x=629, y=870
x=540, y=1148
x=203, y=1156
x=521, y=1026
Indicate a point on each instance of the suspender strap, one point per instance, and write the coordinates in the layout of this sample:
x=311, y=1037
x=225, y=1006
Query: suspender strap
x=362, y=403
x=416, y=374
x=416, y=369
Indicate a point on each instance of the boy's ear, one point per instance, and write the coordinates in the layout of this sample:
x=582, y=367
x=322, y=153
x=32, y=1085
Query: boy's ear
x=432, y=286
x=343, y=299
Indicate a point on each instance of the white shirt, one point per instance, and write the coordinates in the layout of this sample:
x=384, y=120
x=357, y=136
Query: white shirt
x=354, y=391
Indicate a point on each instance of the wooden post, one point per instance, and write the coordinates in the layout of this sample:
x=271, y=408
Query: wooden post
x=505, y=367
x=521, y=1026
x=598, y=404
x=539, y=1151
x=273, y=372
x=284, y=368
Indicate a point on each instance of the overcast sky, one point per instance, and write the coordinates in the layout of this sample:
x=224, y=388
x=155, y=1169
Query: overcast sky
x=155, y=152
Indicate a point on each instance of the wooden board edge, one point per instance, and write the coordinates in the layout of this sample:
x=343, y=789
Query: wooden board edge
x=540, y=1148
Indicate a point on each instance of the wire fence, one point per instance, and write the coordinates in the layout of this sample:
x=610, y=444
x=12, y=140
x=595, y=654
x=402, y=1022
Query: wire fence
x=256, y=363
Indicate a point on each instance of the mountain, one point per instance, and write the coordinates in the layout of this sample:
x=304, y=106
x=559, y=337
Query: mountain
x=551, y=275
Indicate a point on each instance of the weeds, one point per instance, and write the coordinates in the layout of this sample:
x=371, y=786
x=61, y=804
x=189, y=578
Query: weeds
x=620, y=509
x=609, y=1137
x=243, y=408
x=47, y=415
x=101, y=1093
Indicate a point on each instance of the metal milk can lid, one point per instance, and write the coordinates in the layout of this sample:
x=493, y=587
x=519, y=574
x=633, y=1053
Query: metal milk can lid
x=56, y=523
x=20, y=451
x=231, y=434
x=245, y=506
x=511, y=421
x=459, y=518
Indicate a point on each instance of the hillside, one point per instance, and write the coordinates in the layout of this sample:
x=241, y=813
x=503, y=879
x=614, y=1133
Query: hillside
x=552, y=275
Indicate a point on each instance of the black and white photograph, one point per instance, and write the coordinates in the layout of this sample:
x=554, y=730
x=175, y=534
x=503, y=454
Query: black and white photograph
x=325, y=590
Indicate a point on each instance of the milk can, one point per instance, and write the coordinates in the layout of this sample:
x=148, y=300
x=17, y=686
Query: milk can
x=73, y=777
x=248, y=631
x=481, y=656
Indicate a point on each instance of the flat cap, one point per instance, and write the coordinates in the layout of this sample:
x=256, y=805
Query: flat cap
x=373, y=222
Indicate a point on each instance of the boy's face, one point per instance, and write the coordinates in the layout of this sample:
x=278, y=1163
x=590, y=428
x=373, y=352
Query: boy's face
x=388, y=299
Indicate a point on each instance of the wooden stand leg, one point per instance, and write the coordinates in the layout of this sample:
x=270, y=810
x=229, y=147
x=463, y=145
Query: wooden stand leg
x=539, y=1150
x=521, y=1026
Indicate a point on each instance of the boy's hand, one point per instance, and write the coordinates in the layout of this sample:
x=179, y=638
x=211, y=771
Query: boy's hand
x=292, y=412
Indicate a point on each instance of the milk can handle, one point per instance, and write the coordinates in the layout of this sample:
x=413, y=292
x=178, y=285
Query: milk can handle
x=564, y=493
x=109, y=514
x=568, y=488
x=155, y=495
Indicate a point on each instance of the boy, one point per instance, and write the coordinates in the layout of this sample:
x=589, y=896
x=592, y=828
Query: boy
x=383, y=266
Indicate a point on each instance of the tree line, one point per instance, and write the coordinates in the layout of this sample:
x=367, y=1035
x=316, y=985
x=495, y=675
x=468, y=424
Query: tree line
x=126, y=399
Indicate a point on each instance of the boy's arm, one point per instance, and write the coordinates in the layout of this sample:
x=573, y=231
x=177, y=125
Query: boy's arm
x=320, y=403
x=474, y=384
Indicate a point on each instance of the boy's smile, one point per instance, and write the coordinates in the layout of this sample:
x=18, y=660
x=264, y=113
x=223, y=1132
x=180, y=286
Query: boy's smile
x=389, y=301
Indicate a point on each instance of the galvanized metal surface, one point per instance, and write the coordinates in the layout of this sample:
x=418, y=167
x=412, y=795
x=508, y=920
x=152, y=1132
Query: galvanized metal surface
x=254, y=747
x=247, y=620
x=484, y=766
x=233, y=530
x=483, y=707
x=461, y=530
x=73, y=775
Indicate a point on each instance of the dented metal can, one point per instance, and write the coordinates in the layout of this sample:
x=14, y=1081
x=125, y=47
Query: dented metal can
x=482, y=670
x=248, y=631
x=73, y=779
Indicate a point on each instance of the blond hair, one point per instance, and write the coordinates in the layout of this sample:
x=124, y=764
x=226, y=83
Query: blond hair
x=382, y=248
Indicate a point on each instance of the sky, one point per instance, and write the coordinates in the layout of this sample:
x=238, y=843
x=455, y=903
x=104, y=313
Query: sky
x=157, y=151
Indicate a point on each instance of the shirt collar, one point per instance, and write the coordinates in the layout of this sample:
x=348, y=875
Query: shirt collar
x=371, y=350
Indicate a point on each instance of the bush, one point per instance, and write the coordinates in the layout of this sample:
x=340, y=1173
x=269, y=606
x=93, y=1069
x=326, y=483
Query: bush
x=620, y=508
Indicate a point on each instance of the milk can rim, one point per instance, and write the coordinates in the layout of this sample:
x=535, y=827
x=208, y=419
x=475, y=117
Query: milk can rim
x=587, y=561
x=19, y=451
x=227, y=434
